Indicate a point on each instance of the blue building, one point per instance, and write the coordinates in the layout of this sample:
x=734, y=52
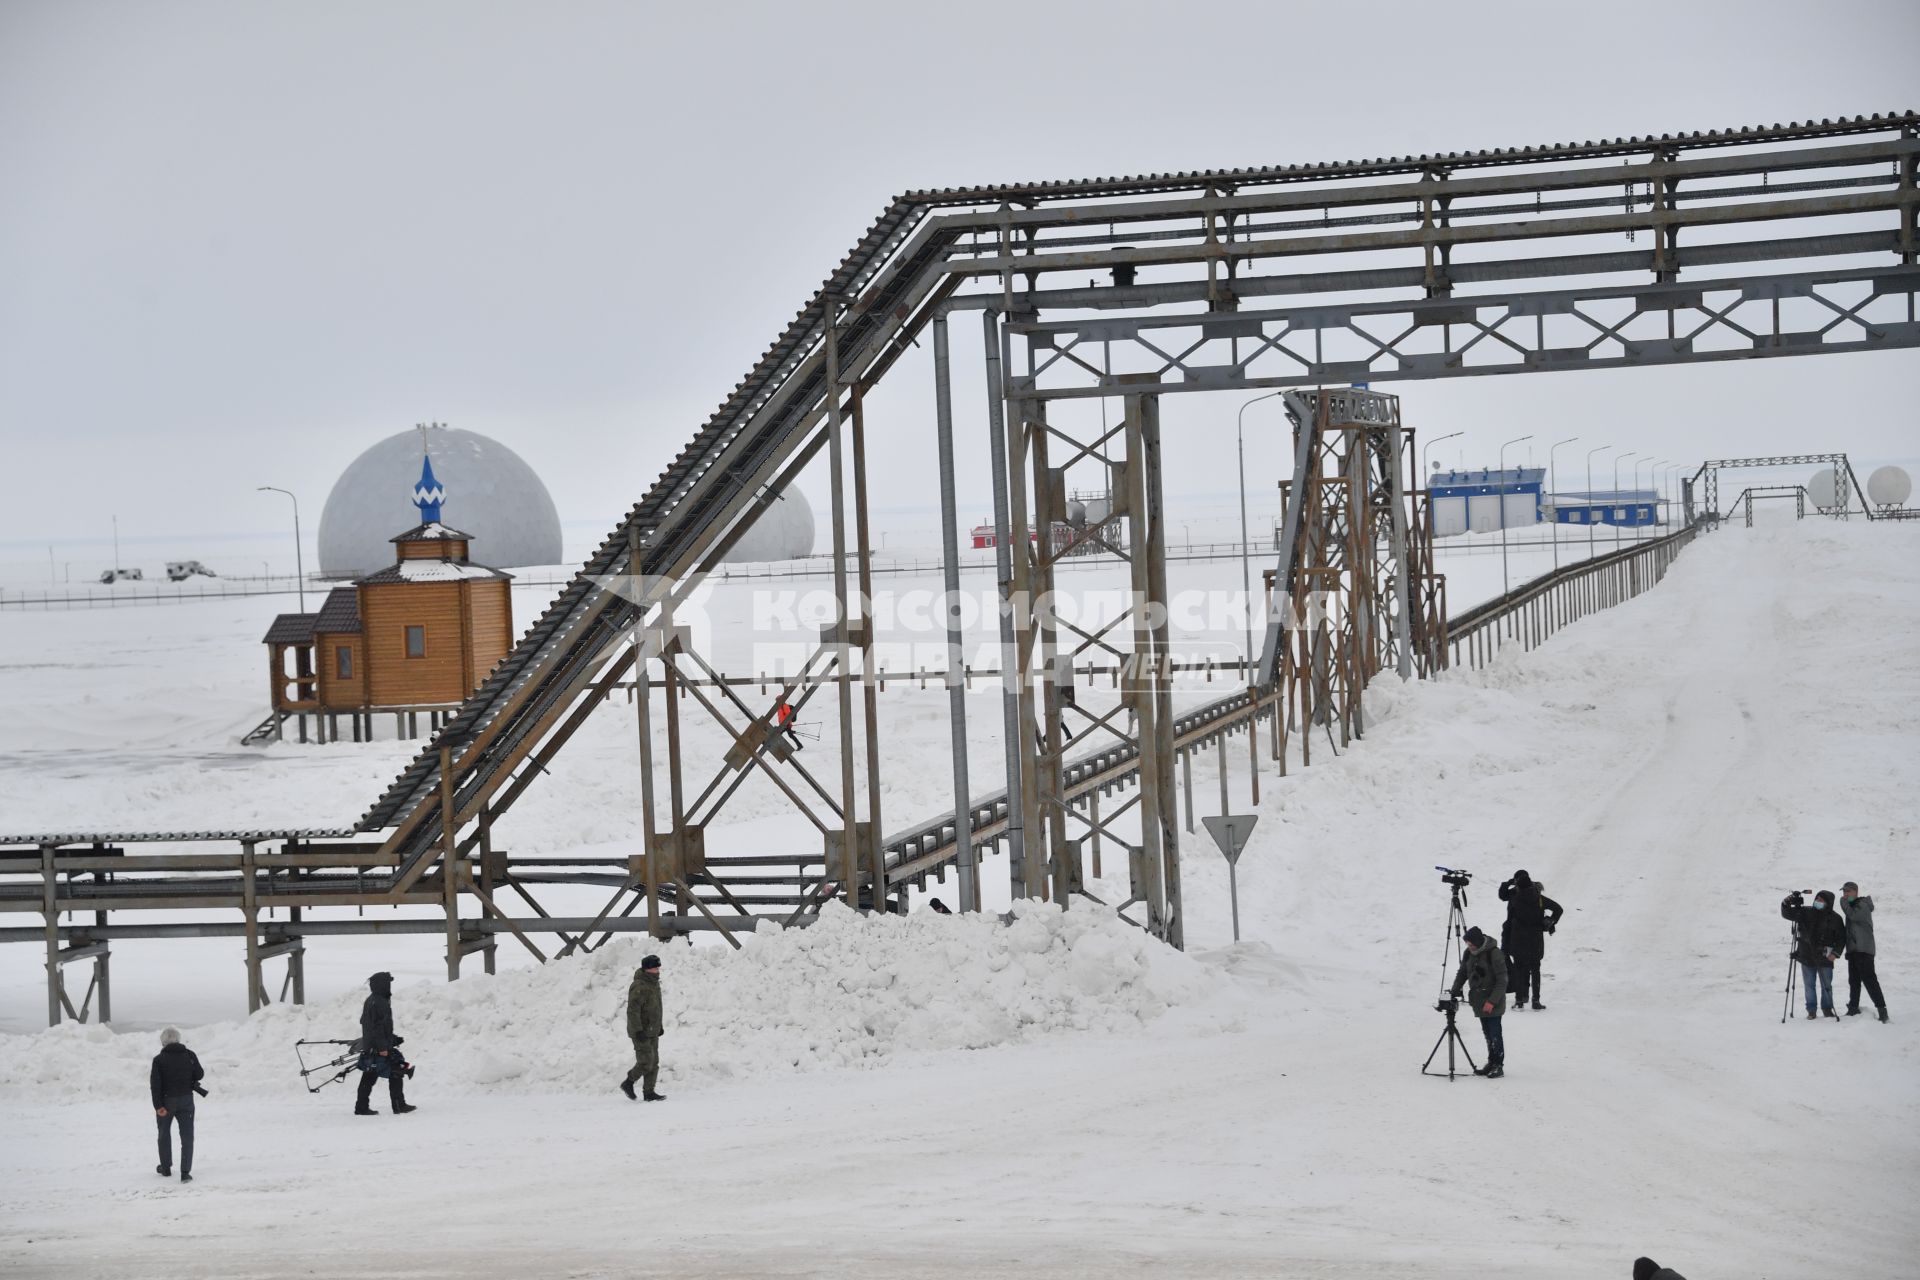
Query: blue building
x=1628, y=507
x=1484, y=500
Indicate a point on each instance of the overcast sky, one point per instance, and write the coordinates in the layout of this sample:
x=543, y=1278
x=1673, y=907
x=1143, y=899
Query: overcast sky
x=240, y=242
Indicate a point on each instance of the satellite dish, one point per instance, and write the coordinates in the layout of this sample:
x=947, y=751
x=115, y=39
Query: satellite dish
x=1889, y=487
x=1825, y=491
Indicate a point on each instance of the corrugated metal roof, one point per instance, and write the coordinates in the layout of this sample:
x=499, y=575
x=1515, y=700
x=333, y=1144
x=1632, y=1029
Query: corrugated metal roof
x=152, y=837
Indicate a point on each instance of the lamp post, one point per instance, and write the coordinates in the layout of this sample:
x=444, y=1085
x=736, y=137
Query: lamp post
x=1505, y=586
x=1428, y=446
x=1554, y=484
x=1619, y=458
x=1652, y=464
x=1246, y=574
x=1598, y=449
x=299, y=567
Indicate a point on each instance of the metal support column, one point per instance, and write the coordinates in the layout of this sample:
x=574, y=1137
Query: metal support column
x=843, y=615
x=1003, y=536
x=449, y=863
x=956, y=648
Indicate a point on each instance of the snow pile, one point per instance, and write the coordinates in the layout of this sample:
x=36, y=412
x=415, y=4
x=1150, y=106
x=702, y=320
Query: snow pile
x=850, y=991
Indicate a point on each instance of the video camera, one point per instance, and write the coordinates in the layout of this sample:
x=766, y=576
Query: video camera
x=1798, y=898
x=1458, y=879
x=1447, y=1004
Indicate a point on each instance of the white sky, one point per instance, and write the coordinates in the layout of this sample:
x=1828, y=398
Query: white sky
x=240, y=242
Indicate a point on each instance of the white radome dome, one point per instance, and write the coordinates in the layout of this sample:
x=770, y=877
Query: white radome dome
x=784, y=531
x=1826, y=492
x=491, y=493
x=1889, y=487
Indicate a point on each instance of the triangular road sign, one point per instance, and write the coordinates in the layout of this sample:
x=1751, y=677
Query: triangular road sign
x=1230, y=832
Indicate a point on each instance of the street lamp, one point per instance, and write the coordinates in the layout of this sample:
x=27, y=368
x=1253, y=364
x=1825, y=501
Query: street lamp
x=299, y=566
x=1504, y=585
x=1553, y=485
x=1673, y=488
x=1246, y=574
x=1652, y=463
x=1617, y=460
x=1600, y=449
x=1425, y=448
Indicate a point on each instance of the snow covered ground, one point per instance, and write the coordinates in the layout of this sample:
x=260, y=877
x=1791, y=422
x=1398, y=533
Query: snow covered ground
x=949, y=1097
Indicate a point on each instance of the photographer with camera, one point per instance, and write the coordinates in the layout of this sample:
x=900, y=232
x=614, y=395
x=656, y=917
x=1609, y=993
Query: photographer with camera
x=1483, y=976
x=1820, y=936
x=380, y=1050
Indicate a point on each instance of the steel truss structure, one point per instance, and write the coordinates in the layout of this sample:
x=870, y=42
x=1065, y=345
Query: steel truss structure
x=1683, y=248
x=1706, y=481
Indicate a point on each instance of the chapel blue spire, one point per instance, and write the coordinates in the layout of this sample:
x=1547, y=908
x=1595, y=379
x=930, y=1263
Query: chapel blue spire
x=429, y=493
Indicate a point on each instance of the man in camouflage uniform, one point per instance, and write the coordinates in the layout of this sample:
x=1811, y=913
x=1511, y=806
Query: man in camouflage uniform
x=644, y=1025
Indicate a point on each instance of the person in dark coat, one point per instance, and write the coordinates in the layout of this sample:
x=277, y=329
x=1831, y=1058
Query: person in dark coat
x=1531, y=916
x=644, y=1027
x=380, y=1050
x=1483, y=976
x=1857, y=908
x=1648, y=1269
x=174, y=1079
x=1822, y=937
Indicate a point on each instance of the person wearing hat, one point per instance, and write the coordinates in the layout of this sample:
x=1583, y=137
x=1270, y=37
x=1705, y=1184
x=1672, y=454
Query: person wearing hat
x=380, y=1050
x=1531, y=916
x=1648, y=1269
x=1483, y=976
x=1822, y=937
x=174, y=1079
x=1858, y=910
x=644, y=1026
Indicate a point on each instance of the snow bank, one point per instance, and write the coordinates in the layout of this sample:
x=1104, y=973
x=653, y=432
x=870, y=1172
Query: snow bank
x=848, y=992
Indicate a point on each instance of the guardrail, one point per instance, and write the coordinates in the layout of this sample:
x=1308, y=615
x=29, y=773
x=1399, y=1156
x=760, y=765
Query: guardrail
x=1527, y=614
x=1534, y=610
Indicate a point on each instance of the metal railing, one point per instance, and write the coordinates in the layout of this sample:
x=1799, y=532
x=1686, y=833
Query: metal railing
x=1533, y=611
x=1528, y=614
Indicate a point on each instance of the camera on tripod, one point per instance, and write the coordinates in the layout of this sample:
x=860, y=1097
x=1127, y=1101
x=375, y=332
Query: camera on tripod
x=1458, y=879
x=1448, y=1004
x=1798, y=898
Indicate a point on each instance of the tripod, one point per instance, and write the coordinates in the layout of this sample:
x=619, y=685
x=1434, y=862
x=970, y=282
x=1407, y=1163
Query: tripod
x=1450, y=1038
x=1793, y=963
x=1451, y=941
x=1453, y=937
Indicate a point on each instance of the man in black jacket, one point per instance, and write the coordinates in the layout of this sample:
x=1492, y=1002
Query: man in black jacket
x=1531, y=916
x=174, y=1079
x=1822, y=937
x=380, y=1049
x=1483, y=975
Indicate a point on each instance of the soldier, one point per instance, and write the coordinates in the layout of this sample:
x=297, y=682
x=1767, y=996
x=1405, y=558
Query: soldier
x=1483, y=975
x=380, y=1049
x=644, y=1026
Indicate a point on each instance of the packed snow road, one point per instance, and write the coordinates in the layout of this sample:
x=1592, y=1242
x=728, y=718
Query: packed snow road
x=1668, y=770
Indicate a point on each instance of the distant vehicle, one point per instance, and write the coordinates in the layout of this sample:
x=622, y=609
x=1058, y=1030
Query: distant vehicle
x=111, y=576
x=181, y=570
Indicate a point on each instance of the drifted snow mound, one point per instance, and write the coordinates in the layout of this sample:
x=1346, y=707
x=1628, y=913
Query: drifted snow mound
x=849, y=991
